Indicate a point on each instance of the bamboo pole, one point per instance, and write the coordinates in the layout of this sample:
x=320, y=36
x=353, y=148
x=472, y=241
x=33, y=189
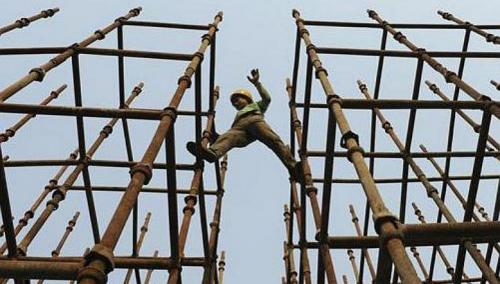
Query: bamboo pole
x=69, y=229
x=196, y=183
x=138, y=246
x=355, y=221
x=488, y=36
x=295, y=206
x=222, y=267
x=24, y=22
x=147, y=280
x=11, y=131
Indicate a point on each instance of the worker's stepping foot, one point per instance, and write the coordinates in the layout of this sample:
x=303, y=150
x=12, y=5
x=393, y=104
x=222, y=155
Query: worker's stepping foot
x=200, y=151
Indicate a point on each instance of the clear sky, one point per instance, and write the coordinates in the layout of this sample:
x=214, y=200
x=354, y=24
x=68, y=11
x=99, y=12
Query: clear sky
x=253, y=34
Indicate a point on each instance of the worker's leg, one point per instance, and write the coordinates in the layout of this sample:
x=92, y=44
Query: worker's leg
x=261, y=131
x=234, y=137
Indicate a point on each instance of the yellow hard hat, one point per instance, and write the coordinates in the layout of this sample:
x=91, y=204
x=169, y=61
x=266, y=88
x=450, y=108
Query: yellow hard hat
x=243, y=93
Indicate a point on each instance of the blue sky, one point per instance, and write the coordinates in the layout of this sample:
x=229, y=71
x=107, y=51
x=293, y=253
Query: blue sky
x=253, y=34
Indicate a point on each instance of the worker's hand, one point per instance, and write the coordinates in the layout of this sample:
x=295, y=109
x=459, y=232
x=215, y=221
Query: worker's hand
x=255, y=76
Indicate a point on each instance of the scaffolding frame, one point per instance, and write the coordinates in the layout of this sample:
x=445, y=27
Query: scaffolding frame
x=393, y=235
x=99, y=261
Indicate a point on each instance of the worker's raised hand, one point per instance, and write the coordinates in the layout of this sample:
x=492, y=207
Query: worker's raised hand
x=254, y=79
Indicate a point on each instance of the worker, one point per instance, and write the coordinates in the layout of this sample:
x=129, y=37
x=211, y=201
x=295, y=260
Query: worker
x=249, y=125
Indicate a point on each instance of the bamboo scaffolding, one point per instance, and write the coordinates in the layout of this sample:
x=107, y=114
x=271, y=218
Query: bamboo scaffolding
x=442, y=255
x=99, y=262
x=38, y=73
x=385, y=222
x=24, y=22
x=455, y=190
x=449, y=76
x=60, y=194
x=431, y=191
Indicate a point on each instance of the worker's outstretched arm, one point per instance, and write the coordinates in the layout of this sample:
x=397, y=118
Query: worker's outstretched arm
x=264, y=94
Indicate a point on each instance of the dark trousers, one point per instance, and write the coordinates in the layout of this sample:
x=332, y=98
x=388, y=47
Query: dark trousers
x=246, y=130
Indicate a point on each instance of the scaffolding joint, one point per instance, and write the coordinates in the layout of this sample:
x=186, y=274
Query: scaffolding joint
x=136, y=11
x=120, y=20
x=39, y=72
x=346, y=136
x=207, y=37
x=448, y=76
x=49, y=12
x=319, y=70
x=186, y=79
x=371, y=13
x=100, y=34
x=144, y=168
x=192, y=198
x=211, y=25
x=106, y=130
x=89, y=272
x=310, y=189
x=492, y=38
x=170, y=112
x=23, y=22
x=399, y=36
x=383, y=217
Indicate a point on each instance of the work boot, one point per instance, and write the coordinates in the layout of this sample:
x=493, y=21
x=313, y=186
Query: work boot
x=202, y=152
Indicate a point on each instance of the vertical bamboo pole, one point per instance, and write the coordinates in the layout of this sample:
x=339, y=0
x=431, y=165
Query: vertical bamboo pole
x=196, y=183
x=296, y=207
x=289, y=255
